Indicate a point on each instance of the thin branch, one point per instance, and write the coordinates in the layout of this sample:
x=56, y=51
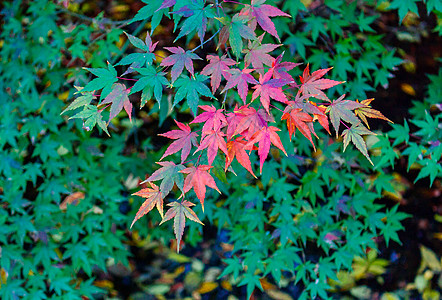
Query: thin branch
x=206, y=41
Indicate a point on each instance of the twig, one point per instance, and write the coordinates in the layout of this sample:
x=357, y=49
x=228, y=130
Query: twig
x=206, y=41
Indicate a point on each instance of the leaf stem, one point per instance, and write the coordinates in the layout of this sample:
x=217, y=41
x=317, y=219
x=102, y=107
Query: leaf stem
x=122, y=78
x=206, y=41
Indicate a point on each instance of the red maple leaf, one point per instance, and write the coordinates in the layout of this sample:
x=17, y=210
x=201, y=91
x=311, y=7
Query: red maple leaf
x=180, y=211
x=184, y=137
x=322, y=117
x=179, y=60
x=213, y=140
x=262, y=13
x=313, y=84
x=265, y=137
x=257, y=54
x=119, y=99
x=280, y=69
x=251, y=121
x=154, y=198
x=237, y=147
x=240, y=78
x=269, y=88
x=213, y=118
x=199, y=178
x=217, y=67
x=296, y=118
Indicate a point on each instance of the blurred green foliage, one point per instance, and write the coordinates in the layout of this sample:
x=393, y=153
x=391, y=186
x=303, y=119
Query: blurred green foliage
x=49, y=247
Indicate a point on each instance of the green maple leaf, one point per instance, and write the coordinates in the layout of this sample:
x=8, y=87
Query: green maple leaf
x=105, y=80
x=83, y=100
x=238, y=30
x=137, y=60
x=190, y=88
x=91, y=116
x=170, y=174
x=150, y=80
x=152, y=9
x=197, y=21
x=355, y=134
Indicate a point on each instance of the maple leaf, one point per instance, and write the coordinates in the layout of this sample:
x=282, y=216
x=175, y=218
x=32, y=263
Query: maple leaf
x=170, y=173
x=235, y=31
x=367, y=111
x=179, y=60
x=217, y=67
x=191, y=88
x=313, y=84
x=199, y=178
x=265, y=137
x=213, y=140
x=237, y=148
x=240, y=78
x=296, y=118
x=196, y=18
x=213, y=118
x=180, y=211
x=91, y=116
x=119, y=99
x=105, y=80
x=137, y=60
x=154, y=198
x=184, y=137
x=280, y=69
x=262, y=13
x=257, y=54
x=342, y=110
x=150, y=80
x=269, y=88
x=166, y=4
x=321, y=117
x=354, y=133
x=250, y=121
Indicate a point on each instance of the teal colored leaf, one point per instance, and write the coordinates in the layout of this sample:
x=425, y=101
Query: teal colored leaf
x=238, y=30
x=403, y=7
x=105, y=80
x=91, y=116
x=153, y=79
x=191, y=88
x=196, y=18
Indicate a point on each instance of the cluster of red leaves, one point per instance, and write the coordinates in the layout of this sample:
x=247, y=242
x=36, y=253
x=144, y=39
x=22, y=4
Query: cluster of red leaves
x=246, y=128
